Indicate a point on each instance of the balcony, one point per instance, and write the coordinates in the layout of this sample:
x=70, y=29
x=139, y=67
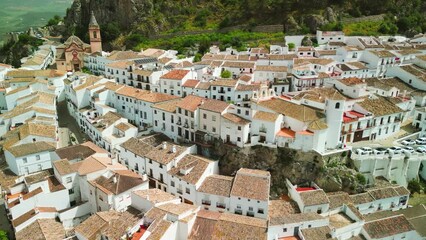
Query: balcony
x=179, y=191
x=206, y=202
x=263, y=130
x=221, y=205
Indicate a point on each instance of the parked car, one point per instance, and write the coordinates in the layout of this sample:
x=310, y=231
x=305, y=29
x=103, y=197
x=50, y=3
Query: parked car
x=421, y=141
x=408, y=142
x=408, y=149
x=395, y=150
x=379, y=151
x=421, y=149
x=364, y=151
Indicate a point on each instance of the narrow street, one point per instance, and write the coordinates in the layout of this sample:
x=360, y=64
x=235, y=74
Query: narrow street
x=68, y=127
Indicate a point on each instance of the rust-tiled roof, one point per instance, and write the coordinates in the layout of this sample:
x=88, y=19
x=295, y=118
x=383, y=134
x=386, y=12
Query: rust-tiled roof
x=31, y=148
x=266, y=116
x=217, y=185
x=293, y=110
x=190, y=169
x=63, y=167
x=137, y=146
x=42, y=229
x=165, y=155
x=155, y=195
x=176, y=74
x=214, y=105
x=191, y=83
x=380, y=106
x=144, y=95
x=235, y=119
x=251, y=184
x=337, y=199
x=352, y=81
x=191, y=102
x=125, y=180
x=387, y=227
x=269, y=68
x=314, y=197
x=168, y=106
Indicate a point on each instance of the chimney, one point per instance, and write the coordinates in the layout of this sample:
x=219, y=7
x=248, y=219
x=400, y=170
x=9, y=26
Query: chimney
x=174, y=149
x=114, y=179
x=36, y=211
x=164, y=145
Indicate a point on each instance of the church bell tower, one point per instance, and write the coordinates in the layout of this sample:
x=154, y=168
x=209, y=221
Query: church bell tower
x=95, y=34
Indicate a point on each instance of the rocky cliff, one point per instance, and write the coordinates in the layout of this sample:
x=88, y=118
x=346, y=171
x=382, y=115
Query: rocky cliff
x=331, y=172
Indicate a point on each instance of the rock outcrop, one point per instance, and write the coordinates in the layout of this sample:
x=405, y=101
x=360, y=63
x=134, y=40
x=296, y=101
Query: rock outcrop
x=329, y=172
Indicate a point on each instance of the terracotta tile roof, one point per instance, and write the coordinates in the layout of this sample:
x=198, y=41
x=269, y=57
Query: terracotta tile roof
x=247, y=87
x=320, y=95
x=319, y=61
x=380, y=106
x=214, y=105
x=75, y=152
x=191, y=83
x=123, y=55
x=327, y=52
x=203, y=86
x=136, y=146
x=175, y=74
x=416, y=71
x=266, y=116
x=21, y=73
x=337, y=199
x=251, y=184
x=155, y=195
x=153, y=52
x=387, y=227
x=165, y=155
x=295, y=218
x=318, y=233
x=314, y=197
x=401, y=190
x=190, y=169
x=30, y=214
x=63, y=167
x=383, y=54
x=45, y=229
x=111, y=224
x=278, y=210
x=224, y=82
x=191, y=102
x=144, y=95
x=317, y=125
x=361, y=198
x=383, y=193
x=231, y=64
x=287, y=133
x=168, y=106
x=158, y=229
x=217, y=185
x=230, y=225
x=352, y=81
x=235, y=119
x=269, y=68
x=31, y=148
x=94, y=164
x=177, y=209
x=245, y=78
x=125, y=180
x=296, y=111
x=282, y=56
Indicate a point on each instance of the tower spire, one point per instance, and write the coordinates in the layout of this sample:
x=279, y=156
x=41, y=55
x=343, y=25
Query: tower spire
x=93, y=22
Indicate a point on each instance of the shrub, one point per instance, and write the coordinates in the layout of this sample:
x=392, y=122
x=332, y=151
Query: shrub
x=361, y=179
x=226, y=74
x=414, y=186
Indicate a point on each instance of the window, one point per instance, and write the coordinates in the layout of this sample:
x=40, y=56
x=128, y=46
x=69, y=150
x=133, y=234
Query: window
x=238, y=139
x=101, y=198
x=68, y=180
x=37, y=157
x=214, y=129
x=337, y=105
x=25, y=160
x=239, y=128
x=172, y=183
x=250, y=208
x=204, y=116
x=91, y=193
x=284, y=229
x=187, y=190
x=71, y=191
x=213, y=118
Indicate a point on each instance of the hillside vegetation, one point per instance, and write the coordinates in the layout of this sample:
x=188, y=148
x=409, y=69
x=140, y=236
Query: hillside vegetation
x=130, y=22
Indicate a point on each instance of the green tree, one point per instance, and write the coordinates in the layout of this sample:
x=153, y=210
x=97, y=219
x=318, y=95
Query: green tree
x=226, y=74
x=291, y=46
x=197, y=57
x=361, y=179
x=414, y=186
x=54, y=21
x=3, y=235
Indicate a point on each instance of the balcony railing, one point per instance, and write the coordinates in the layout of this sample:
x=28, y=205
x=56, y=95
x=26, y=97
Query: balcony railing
x=221, y=205
x=179, y=191
x=206, y=202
